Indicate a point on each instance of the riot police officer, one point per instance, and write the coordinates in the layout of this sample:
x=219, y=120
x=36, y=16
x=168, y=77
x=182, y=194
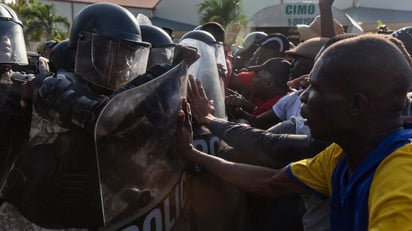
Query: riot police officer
x=13, y=115
x=62, y=57
x=54, y=182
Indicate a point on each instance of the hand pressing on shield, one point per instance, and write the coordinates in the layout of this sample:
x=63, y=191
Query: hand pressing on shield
x=201, y=107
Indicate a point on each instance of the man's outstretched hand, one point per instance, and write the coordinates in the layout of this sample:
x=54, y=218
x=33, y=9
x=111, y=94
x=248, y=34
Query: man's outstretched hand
x=184, y=132
x=201, y=107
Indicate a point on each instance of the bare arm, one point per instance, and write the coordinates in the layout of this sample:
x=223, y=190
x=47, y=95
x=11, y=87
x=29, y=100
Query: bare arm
x=266, y=119
x=326, y=19
x=260, y=180
x=256, y=179
x=276, y=149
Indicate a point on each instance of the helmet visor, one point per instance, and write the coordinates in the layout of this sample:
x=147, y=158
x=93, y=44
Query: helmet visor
x=112, y=63
x=161, y=55
x=12, y=45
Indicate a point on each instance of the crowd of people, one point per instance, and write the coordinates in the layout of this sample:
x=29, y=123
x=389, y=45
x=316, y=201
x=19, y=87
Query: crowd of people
x=98, y=129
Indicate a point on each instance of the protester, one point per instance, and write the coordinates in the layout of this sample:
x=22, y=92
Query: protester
x=269, y=85
x=370, y=147
x=271, y=46
x=302, y=58
x=244, y=52
x=249, y=145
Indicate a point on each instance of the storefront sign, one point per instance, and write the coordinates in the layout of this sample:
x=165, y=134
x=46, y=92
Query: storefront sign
x=300, y=13
x=286, y=15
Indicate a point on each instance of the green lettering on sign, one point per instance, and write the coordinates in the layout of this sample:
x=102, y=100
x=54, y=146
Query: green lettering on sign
x=299, y=9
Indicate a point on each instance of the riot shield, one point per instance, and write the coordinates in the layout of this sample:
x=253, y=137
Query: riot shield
x=205, y=187
x=140, y=180
x=206, y=70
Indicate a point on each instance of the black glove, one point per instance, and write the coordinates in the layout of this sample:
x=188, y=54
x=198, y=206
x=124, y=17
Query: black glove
x=67, y=99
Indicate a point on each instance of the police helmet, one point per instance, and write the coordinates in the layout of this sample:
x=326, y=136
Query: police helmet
x=156, y=36
x=163, y=48
x=12, y=45
x=200, y=35
x=62, y=57
x=109, y=50
x=405, y=35
x=215, y=28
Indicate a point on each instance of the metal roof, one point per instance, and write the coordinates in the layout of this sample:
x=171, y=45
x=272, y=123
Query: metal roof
x=176, y=26
x=371, y=15
x=144, y=4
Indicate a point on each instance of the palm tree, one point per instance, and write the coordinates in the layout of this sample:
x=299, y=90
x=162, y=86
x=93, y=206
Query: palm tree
x=224, y=12
x=40, y=20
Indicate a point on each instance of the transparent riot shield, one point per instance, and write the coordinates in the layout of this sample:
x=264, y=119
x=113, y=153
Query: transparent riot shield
x=206, y=70
x=204, y=187
x=140, y=179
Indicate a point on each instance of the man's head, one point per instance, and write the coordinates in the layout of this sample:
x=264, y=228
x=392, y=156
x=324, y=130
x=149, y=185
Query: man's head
x=109, y=50
x=358, y=85
x=244, y=52
x=270, y=78
x=303, y=56
x=271, y=46
x=5, y=47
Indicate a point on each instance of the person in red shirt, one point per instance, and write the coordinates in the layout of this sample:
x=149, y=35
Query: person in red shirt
x=271, y=46
x=268, y=86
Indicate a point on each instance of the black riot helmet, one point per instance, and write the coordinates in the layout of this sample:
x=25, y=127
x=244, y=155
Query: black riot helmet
x=405, y=35
x=62, y=57
x=200, y=35
x=12, y=45
x=209, y=39
x=215, y=28
x=162, y=50
x=108, y=45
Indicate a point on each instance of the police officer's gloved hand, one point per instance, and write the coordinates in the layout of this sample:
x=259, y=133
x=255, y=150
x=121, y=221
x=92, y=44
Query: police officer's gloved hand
x=68, y=100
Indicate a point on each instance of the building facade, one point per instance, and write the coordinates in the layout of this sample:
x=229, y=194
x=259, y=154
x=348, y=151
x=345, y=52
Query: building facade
x=266, y=15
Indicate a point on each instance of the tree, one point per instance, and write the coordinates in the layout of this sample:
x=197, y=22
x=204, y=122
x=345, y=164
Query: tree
x=224, y=12
x=40, y=21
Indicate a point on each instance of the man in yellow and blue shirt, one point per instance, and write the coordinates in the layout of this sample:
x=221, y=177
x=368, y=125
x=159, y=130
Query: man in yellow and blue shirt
x=355, y=100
